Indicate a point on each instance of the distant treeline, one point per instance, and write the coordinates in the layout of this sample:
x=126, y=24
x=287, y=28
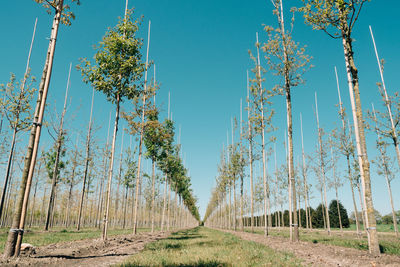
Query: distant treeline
x=317, y=217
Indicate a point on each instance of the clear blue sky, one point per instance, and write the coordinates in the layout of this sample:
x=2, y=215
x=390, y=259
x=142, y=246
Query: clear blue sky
x=200, y=49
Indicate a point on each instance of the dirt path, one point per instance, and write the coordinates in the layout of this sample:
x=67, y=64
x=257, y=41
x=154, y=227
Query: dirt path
x=89, y=252
x=321, y=254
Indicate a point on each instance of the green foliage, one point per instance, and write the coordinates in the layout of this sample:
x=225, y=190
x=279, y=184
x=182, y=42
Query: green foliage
x=131, y=169
x=334, y=215
x=236, y=163
x=261, y=113
x=154, y=135
x=50, y=159
x=317, y=218
x=16, y=102
x=66, y=16
x=335, y=17
x=117, y=67
x=285, y=57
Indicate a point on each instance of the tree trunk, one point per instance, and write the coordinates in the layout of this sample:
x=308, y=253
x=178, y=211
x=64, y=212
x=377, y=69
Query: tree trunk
x=352, y=76
x=352, y=194
x=54, y=179
x=119, y=181
x=6, y=179
x=34, y=138
x=169, y=206
x=110, y=172
x=294, y=227
x=78, y=227
x=141, y=136
x=34, y=201
x=8, y=197
x=164, y=204
x=125, y=205
x=153, y=190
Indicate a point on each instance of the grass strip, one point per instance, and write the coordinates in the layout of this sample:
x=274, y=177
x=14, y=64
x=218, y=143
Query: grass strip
x=207, y=247
x=388, y=244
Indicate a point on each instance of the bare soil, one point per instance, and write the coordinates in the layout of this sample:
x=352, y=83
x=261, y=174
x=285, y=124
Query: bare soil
x=322, y=254
x=88, y=252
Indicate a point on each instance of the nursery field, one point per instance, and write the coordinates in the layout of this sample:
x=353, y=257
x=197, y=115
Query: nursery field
x=199, y=133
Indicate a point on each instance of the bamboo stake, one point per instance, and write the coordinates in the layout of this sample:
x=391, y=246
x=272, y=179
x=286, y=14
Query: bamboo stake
x=308, y=215
x=347, y=155
x=295, y=229
x=387, y=102
x=322, y=167
x=241, y=158
x=141, y=134
x=250, y=156
x=259, y=82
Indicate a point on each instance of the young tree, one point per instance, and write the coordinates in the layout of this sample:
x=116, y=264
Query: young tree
x=235, y=170
x=336, y=181
x=346, y=147
x=70, y=179
x=153, y=140
x=87, y=159
x=16, y=107
x=323, y=166
x=14, y=240
x=250, y=156
x=287, y=59
x=304, y=171
x=165, y=163
x=60, y=140
x=116, y=72
x=385, y=167
x=54, y=166
x=140, y=127
x=262, y=119
x=129, y=178
x=337, y=19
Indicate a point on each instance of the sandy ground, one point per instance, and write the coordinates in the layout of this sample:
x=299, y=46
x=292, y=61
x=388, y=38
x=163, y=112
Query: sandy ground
x=88, y=252
x=321, y=254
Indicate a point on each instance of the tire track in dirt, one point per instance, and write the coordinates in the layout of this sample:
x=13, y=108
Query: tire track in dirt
x=321, y=254
x=88, y=252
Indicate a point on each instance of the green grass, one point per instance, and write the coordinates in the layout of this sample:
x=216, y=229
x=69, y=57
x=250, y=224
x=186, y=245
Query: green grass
x=379, y=228
x=39, y=237
x=206, y=247
x=388, y=243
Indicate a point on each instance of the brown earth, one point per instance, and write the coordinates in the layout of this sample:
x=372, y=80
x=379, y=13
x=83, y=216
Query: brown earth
x=88, y=252
x=322, y=254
